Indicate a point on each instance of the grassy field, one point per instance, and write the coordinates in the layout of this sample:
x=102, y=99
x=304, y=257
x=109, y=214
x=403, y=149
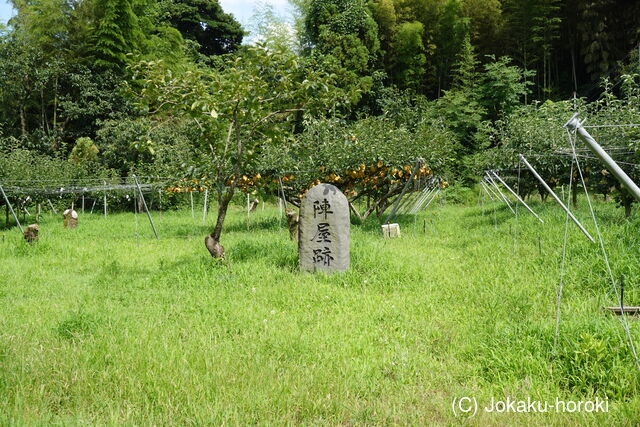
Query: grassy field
x=95, y=329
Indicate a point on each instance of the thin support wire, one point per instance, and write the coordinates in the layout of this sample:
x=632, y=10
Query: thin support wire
x=515, y=227
x=560, y=287
x=624, y=319
x=135, y=216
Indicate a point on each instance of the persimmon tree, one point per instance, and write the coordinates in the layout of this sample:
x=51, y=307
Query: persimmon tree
x=248, y=102
x=369, y=160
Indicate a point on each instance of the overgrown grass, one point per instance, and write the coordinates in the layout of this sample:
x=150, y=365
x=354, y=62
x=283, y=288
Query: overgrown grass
x=97, y=329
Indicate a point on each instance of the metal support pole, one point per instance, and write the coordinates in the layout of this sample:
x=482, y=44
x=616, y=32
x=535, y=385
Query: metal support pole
x=484, y=187
x=403, y=201
x=193, y=214
x=406, y=202
x=544, y=184
x=423, y=198
x=489, y=188
x=6, y=199
x=83, y=204
x=144, y=203
x=284, y=199
x=575, y=125
x=502, y=196
x=204, y=207
x=413, y=197
x=404, y=190
x=135, y=218
x=53, y=209
x=410, y=208
x=413, y=201
x=517, y=197
x=104, y=199
x=432, y=199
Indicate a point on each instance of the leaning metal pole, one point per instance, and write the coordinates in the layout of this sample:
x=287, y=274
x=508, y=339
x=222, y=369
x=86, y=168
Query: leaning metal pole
x=420, y=202
x=484, y=187
x=204, y=207
x=284, y=199
x=544, y=184
x=575, y=125
x=424, y=194
x=413, y=209
x=502, y=196
x=408, y=208
x=488, y=186
x=431, y=200
x=517, y=197
x=144, y=203
x=408, y=200
x=394, y=208
x=6, y=199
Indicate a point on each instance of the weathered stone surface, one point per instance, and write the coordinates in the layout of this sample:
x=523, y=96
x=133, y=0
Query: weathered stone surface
x=70, y=218
x=31, y=233
x=323, y=240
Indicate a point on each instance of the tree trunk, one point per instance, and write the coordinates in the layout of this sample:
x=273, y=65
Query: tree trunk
x=23, y=121
x=355, y=211
x=212, y=241
x=222, y=213
x=574, y=197
x=627, y=207
x=55, y=105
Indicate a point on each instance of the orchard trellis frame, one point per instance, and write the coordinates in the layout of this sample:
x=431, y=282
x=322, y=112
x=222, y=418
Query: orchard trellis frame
x=47, y=188
x=576, y=129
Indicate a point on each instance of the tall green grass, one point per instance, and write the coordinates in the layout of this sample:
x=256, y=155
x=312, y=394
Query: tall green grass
x=98, y=328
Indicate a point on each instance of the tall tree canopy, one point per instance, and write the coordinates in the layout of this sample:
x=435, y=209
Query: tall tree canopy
x=344, y=29
x=117, y=33
x=205, y=22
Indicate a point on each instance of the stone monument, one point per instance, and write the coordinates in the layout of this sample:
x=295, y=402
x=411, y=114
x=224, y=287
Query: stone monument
x=323, y=240
x=70, y=218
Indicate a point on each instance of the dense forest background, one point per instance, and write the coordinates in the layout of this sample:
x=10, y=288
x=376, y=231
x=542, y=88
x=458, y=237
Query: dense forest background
x=95, y=88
